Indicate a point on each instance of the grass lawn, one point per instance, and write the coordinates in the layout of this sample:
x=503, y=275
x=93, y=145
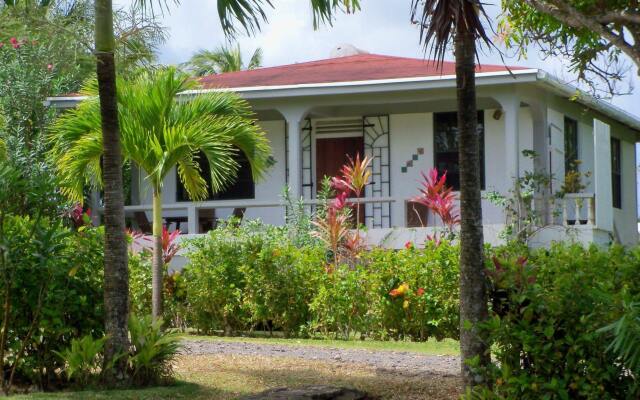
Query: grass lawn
x=226, y=377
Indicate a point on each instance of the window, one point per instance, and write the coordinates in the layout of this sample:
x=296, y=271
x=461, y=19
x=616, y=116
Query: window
x=616, y=173
x=242, y=188
x=446, y=146
x=570, y=144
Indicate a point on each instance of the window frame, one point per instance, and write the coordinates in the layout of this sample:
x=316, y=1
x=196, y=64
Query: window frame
x=616, y=173
x=481, y=122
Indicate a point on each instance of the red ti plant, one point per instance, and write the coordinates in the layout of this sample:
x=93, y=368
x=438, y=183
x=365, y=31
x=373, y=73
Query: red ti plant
x=439, y=199
x=170, y=246
x=332, y=230
x=354, y=178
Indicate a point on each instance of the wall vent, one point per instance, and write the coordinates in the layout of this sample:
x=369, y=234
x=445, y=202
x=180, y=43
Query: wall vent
x=336, y=126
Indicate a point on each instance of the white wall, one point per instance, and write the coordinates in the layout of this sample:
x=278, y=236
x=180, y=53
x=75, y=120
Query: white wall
x=271, y=186
x=408, y=133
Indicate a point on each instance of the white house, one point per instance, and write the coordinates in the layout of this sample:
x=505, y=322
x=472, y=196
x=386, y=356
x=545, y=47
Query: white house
x=401, y=112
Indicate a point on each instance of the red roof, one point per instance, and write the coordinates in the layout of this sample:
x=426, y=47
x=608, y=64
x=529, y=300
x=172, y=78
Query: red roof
x=360, y=67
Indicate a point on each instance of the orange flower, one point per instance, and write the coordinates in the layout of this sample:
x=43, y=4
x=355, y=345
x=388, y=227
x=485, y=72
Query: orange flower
x=420, y=291
x=394, y=293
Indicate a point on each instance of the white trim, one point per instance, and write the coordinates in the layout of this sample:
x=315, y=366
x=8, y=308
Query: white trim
x=429, y=78
x=406, y=84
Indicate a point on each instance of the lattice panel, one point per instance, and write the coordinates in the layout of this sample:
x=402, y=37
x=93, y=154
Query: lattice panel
x=376, y=143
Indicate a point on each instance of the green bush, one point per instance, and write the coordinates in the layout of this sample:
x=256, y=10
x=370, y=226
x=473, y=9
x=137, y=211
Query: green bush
x=253, y=276
x=152, y=351
x=52, y=279
x=548, y=311
x=429, y=308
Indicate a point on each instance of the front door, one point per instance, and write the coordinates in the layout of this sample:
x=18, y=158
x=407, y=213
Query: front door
x=332, y=154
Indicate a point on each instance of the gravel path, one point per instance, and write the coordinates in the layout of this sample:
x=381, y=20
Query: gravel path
x=406, y=363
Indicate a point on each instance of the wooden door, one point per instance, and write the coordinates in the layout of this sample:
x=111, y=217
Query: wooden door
x=332, y=154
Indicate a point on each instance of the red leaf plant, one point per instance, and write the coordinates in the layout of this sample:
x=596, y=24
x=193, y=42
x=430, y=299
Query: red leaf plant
x=170, y=245
x=439, y=198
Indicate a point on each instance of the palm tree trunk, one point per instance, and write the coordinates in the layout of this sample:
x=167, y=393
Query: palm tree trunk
x=116, y=273
x=473, y=298
x=157, y=264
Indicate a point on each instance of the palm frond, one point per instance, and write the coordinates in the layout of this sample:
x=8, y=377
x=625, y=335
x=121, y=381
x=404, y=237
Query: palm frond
x=439, y=20
x=159, y=132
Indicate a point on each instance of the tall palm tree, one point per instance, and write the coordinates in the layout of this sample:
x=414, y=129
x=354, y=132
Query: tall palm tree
x=224, y=59
x=441, y=22
x=160, y=132
x=116, y=272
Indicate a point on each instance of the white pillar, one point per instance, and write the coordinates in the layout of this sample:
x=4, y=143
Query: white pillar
x=192, y=219
x=511, y=109
x=293, y=118
x=602, y=175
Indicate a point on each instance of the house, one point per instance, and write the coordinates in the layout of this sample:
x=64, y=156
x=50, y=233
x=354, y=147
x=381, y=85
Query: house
x=401, y=112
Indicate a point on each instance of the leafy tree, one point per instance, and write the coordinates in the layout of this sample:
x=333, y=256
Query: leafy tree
x=443, y=22
x=158, y=133
x=224, y=59
x=592, y=35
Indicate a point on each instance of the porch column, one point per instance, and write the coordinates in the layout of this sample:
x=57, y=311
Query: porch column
x=293, y=118
x=511, y=108
x=602, y=175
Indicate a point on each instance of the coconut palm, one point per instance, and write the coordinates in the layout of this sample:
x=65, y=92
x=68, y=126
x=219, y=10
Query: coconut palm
x=159, y=132
x=224, y=59
x=441, y=23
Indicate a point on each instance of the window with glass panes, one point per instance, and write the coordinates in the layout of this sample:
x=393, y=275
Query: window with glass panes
x=446, y=146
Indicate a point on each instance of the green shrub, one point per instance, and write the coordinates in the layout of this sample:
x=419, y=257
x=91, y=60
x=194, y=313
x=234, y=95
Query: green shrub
x=152, y=351
x=429, y=307
x=83, y=359
x=253, y=276
x=54, y=293
x=341, y=304
x=214, y=283
x=547, y=313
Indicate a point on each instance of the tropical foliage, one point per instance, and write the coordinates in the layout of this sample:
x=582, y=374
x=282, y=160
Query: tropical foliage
x=223, y=59
x=595, y=36
x=160, y=132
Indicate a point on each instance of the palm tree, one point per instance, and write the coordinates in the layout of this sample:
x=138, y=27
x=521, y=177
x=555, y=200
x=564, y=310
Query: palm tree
x=224, y=59
x=160, y=132
x=441, y=22
x=116, y=273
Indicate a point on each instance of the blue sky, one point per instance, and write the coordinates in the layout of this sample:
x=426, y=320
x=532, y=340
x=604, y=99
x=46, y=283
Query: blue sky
x=289, y=36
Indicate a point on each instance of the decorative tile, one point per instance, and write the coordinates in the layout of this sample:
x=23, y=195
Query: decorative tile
x=403, y=169
x=410, y=163
x=421, y=150
x=415, y=157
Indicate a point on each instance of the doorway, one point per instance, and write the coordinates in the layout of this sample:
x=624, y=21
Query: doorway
x=332, y=154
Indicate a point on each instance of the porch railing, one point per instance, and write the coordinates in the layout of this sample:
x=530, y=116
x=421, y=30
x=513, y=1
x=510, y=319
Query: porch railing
x=193, y=209
x=578, y=209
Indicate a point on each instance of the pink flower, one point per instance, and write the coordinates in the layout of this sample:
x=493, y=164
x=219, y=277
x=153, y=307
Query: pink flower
x=50, y=67
x=1, y=45
x=13, y=40
x=408, y=245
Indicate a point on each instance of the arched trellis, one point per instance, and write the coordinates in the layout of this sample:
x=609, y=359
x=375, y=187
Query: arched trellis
x=377, y=145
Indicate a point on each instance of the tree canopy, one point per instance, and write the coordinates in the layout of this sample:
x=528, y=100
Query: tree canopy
x=592, y=35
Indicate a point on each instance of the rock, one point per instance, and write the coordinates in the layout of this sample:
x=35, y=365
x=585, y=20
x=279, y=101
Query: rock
x=317, y=392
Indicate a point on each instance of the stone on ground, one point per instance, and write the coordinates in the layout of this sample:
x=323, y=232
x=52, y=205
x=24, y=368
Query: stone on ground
x=310, y=393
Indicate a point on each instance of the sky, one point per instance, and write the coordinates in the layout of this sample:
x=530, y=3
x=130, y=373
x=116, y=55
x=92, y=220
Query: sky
x=289, y=37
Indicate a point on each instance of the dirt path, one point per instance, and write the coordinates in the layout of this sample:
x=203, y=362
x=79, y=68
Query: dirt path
x=405, y=363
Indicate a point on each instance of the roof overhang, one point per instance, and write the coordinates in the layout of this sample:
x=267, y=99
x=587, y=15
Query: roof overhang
x=535, y=76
